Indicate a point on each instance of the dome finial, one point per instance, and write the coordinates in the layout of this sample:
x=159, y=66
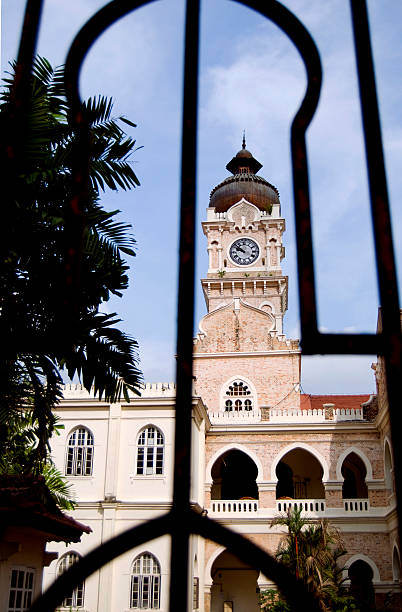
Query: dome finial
x=244, y=140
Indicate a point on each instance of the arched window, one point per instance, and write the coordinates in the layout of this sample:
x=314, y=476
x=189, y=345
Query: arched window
x=76, y=599
x=80, y=453
x=240, y=397
x=150, y=449
x=145, y=583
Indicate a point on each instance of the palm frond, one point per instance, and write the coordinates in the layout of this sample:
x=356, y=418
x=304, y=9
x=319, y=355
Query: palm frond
x=59, y=488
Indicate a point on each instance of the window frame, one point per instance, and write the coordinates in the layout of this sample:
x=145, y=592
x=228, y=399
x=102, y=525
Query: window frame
x=150, y=452
x=145, y=586
x=77, y=597
x=27, y=590
x=244, y=401
x=80, y=456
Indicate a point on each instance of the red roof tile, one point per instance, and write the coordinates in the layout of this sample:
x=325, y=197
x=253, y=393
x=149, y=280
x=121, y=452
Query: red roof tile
x=341, y=401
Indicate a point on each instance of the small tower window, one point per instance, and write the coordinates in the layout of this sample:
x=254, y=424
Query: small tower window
x=238, y=397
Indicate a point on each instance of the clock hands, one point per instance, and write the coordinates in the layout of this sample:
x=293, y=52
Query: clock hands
x=240, y=249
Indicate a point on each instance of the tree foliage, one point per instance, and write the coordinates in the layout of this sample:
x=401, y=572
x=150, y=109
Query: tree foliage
x=36, y=346
x=311, y=552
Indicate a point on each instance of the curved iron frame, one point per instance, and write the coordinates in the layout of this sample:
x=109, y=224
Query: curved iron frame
x=182, y=521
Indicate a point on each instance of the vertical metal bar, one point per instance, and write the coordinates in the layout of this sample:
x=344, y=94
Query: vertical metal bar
x=16, y=132
x=386, y=270
x=26, y=51
x=185, y=319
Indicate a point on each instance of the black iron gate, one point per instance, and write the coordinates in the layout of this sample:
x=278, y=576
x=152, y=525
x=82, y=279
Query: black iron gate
x=182, y=521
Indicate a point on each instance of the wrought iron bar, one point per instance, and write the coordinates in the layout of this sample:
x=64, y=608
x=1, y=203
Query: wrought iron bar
x=20, y=98
x=179, y=570
x=391, y=347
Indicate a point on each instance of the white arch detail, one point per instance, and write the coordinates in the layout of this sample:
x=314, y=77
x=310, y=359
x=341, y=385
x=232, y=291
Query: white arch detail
x=387, y=442
x=157, y=427
x=268, y=303
x=252, y=206
x=306, y=447
x=80, y=426
x=208, y=566
x=366, y=559
x=229, y=447
x=359, y=453
x=208, y=581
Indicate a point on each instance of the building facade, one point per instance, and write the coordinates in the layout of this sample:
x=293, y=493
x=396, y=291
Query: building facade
x=259, y=445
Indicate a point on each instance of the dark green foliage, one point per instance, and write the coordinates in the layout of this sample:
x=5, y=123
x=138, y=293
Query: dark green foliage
x=36, y=344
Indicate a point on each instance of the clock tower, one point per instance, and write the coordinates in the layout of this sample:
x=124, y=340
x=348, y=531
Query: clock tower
x=244, y=230
x=240, y=348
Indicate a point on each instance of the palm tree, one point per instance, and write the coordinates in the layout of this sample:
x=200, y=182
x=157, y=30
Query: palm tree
x=311, y=552
x=36, y=346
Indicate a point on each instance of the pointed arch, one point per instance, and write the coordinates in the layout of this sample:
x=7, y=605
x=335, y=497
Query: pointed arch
x=242, y=201
x=301, y=445
x=230, y=447
x=361, y=455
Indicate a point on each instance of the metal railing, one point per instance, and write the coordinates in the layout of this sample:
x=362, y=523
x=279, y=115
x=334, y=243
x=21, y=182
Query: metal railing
x=182, y=521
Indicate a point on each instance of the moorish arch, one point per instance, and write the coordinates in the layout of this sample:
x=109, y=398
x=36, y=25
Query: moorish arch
x=229, y=447
x=234, y=584
x=361, y=455
x=208, y=566
x=306, y=447
x=234, y=476
x=366, y=559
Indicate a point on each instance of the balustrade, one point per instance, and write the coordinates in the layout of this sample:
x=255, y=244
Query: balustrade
x=356, y=505
x=311, y=507
x=234, y=506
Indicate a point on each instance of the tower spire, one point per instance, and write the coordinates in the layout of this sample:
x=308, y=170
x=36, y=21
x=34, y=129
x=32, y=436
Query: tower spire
x=244, y=140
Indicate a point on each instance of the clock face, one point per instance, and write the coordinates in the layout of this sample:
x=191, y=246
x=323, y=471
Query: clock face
x=244, y=251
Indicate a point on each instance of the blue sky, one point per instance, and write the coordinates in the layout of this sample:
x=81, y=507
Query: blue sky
x=251, y=78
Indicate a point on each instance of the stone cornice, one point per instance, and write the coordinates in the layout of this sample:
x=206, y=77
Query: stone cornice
x=291, y=427
x=273, y=353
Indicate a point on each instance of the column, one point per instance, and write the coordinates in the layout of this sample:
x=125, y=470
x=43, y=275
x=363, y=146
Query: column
x=112, y=452
x=105, y=588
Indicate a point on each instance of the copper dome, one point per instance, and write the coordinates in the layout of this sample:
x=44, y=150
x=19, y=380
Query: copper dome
x=244, y=183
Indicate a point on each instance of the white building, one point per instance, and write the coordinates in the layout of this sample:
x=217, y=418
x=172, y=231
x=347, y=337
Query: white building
x=258, y=445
